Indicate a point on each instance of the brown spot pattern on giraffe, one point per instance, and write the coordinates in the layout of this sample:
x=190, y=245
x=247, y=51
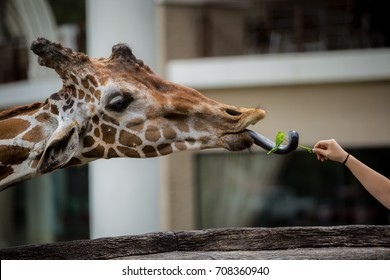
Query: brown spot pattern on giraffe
x=81, y=94
x=87, y=98
x=97, y=152
x=183, y=127
x=165, y=149
x=88, y=141
x=110, y=120
x=95, y=119
x=109, y=133
x=44, y=117
x=112, y=153
x=54, y=109
x=136, y=124
x=191, y=140
x=73, y=161
x=12, y=127
x=85, y=83
x=71, y=89
x=74, y=79
x=5, y=171
x=20, y=110
x=92, y=80
x=10, y=155
x=181, y=145
x=96, y=132
x=169, y=133
x=152, y=133
x=129, y=152
x=149, y=151
x=98, y=94
x=129, y=139
x=36, y=134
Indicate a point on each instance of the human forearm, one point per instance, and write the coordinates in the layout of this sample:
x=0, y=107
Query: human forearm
x=375, y=183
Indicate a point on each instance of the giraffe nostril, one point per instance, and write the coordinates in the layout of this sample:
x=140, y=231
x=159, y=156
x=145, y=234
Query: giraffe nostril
x=233, y=112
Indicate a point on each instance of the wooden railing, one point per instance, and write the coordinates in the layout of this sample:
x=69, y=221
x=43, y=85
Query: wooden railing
x=336, y=242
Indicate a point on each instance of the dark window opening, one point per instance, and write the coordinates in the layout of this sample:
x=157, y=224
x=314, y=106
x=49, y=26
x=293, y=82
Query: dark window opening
x=241, y=190
x=50, y=208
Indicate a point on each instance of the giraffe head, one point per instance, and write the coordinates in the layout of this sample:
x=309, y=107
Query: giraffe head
x=117, y=107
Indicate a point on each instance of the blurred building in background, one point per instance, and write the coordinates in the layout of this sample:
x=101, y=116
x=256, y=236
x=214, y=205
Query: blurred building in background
x=321, y=67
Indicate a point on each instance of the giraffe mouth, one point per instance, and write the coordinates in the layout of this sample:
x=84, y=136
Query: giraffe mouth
x=247, y=138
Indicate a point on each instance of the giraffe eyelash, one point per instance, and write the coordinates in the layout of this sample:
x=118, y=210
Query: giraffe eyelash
x=120, y=102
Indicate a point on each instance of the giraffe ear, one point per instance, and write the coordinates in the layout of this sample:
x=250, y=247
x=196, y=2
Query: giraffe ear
x=60, y=148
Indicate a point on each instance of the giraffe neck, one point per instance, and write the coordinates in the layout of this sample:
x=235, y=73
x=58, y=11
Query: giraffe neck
x=24, y=131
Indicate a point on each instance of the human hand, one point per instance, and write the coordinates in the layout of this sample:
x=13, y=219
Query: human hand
x=329, y=149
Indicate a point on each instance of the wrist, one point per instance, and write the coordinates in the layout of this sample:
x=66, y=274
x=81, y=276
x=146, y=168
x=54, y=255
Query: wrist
x=346, y=159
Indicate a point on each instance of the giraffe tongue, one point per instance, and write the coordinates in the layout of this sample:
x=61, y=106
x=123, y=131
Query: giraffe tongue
x=265, y=143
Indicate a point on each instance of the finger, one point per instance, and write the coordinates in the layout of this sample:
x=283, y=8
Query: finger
x=321, y=154
x=318, y=156
x=322, y=144
x=319, y=151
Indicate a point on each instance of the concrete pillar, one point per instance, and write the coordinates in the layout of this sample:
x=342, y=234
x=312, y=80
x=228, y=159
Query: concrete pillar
x=122, y=21
x=124, y=193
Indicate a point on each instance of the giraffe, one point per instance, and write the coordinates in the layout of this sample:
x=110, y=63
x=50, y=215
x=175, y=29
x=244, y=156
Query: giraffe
x=113, y=107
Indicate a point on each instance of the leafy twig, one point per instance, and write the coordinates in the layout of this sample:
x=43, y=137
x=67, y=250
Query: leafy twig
x=280, y=138
x=309, y=150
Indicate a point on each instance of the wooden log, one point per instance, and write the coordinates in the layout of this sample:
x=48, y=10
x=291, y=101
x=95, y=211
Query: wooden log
x=337, y=253
x=102, y=248
x=336, y=242
x=254, y=239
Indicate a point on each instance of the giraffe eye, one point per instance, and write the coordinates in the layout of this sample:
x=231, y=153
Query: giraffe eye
x=120, y=102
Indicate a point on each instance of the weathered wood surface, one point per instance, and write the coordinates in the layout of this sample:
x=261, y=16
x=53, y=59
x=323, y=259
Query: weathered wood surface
x=337, y=242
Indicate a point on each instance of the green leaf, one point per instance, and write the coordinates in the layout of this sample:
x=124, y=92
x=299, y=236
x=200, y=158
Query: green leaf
x=278, y=141
x=279, y=138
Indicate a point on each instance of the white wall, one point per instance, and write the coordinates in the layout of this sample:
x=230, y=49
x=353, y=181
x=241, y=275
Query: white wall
x=124, y=193
x=282, y=69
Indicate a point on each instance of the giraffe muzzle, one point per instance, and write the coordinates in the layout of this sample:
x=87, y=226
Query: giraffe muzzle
x=267, y=144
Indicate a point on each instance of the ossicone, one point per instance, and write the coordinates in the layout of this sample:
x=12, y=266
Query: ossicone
x=57, y=57
x=122, y=52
